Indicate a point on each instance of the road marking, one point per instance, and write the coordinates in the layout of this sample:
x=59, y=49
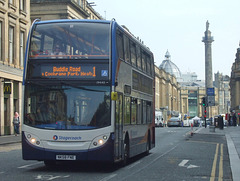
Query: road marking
x=172, y=131
x=214, y=164
x=151, y=162
x=134, y=164
x=109, y=177
x=214, y=143
x=1, y=172
x=25, y=166
x=50, y=177
x=220, y=175
x=184, y=162
x=192, y=166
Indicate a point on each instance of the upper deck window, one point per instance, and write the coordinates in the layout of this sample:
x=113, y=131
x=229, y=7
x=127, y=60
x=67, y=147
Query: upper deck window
x=70, y=40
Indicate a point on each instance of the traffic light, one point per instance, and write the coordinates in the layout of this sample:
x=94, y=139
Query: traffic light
x=205, y=116
x=204, y=101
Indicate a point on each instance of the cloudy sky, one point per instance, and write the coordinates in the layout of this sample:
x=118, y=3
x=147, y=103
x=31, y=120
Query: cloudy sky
x=178, y=26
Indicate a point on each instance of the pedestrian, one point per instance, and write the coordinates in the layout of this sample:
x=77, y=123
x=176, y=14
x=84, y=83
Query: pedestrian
x=234, y=118
x=16, y=123
x=229, y=120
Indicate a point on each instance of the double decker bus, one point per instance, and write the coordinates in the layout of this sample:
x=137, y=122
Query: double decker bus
x=93, y=100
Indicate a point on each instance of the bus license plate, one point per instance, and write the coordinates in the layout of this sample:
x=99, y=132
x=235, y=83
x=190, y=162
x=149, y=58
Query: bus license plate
x=65, y=157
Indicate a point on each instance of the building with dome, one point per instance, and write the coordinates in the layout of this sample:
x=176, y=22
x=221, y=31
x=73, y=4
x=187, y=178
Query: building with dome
x=167, y=93
x=170, y=67
x=181, y=93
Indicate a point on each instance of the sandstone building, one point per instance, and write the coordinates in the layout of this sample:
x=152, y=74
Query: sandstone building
x=14, y=27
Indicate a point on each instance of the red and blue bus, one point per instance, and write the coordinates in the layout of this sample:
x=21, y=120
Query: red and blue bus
x=91, y=101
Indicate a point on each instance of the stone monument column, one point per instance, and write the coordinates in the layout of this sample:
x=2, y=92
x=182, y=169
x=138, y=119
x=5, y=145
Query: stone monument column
x=208, y=39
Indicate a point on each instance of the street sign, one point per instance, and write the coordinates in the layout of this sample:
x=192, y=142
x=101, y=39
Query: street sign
x=211, y=100
x=210, y=91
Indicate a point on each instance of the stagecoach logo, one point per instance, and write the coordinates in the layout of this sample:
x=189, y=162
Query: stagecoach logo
x=55, y=137
x=66, y=138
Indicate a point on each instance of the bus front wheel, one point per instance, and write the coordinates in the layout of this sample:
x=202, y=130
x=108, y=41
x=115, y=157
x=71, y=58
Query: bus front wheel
x=148, y=145
x=126, y=154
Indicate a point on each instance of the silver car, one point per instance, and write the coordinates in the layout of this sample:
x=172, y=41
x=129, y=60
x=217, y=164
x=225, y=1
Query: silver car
x=174, y=121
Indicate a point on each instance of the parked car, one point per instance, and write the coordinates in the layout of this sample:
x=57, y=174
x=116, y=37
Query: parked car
x=174, y=121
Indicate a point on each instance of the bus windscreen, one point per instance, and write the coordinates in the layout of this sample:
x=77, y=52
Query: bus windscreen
x=70, y=41
x=67, y=107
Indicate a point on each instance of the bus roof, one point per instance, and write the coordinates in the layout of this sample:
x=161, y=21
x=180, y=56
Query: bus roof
x=71, y=20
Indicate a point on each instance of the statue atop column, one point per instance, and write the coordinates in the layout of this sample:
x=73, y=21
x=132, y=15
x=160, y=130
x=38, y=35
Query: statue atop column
x=207, y=25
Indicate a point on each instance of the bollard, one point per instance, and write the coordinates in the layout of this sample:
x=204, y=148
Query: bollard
x=191, y=129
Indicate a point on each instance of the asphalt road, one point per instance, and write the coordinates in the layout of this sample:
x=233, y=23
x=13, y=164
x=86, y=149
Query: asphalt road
x=177, y=156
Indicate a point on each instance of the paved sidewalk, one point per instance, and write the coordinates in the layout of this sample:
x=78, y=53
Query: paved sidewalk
x=10, y=139
x=233, y=141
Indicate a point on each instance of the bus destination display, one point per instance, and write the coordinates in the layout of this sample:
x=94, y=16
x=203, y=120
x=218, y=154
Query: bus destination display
x=96, y=72
x=70, y=71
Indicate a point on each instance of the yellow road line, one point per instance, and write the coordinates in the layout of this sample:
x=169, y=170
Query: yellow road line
x=214, y=164
x=220, y=175
x=214, y=143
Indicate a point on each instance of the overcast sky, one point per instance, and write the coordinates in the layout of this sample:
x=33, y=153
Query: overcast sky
x=178, y=26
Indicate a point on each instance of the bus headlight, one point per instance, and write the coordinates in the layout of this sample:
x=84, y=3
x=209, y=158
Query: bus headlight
x=34, y=140
x=99, y=141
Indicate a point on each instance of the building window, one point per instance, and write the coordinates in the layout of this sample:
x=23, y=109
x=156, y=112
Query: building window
x=139, y=60
x=80, y=2
x=127, y=106
x=133, y=54
x=11, y=46
x=126, y=49
x=22, y=5
x=120, y=45
x=144, y=62
x=133, y=110
x=21, y=56
x=0, y=40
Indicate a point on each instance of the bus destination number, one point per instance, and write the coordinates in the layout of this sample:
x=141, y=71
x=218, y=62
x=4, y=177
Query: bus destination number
x=65, y=157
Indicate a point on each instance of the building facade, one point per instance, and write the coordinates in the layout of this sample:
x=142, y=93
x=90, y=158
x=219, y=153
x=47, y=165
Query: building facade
x=14, y=26
x=167, y=93
x=235, y=84
x=64, y=9
x=222, y=83
x=191, y=101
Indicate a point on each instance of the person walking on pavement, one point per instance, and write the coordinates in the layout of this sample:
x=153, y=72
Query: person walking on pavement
x=234, y=119
x=16, y=123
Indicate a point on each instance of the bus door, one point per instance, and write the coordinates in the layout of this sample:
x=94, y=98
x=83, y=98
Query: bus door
x=119, y=127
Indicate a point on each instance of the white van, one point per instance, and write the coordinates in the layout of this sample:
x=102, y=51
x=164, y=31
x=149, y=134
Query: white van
x=158, y=119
